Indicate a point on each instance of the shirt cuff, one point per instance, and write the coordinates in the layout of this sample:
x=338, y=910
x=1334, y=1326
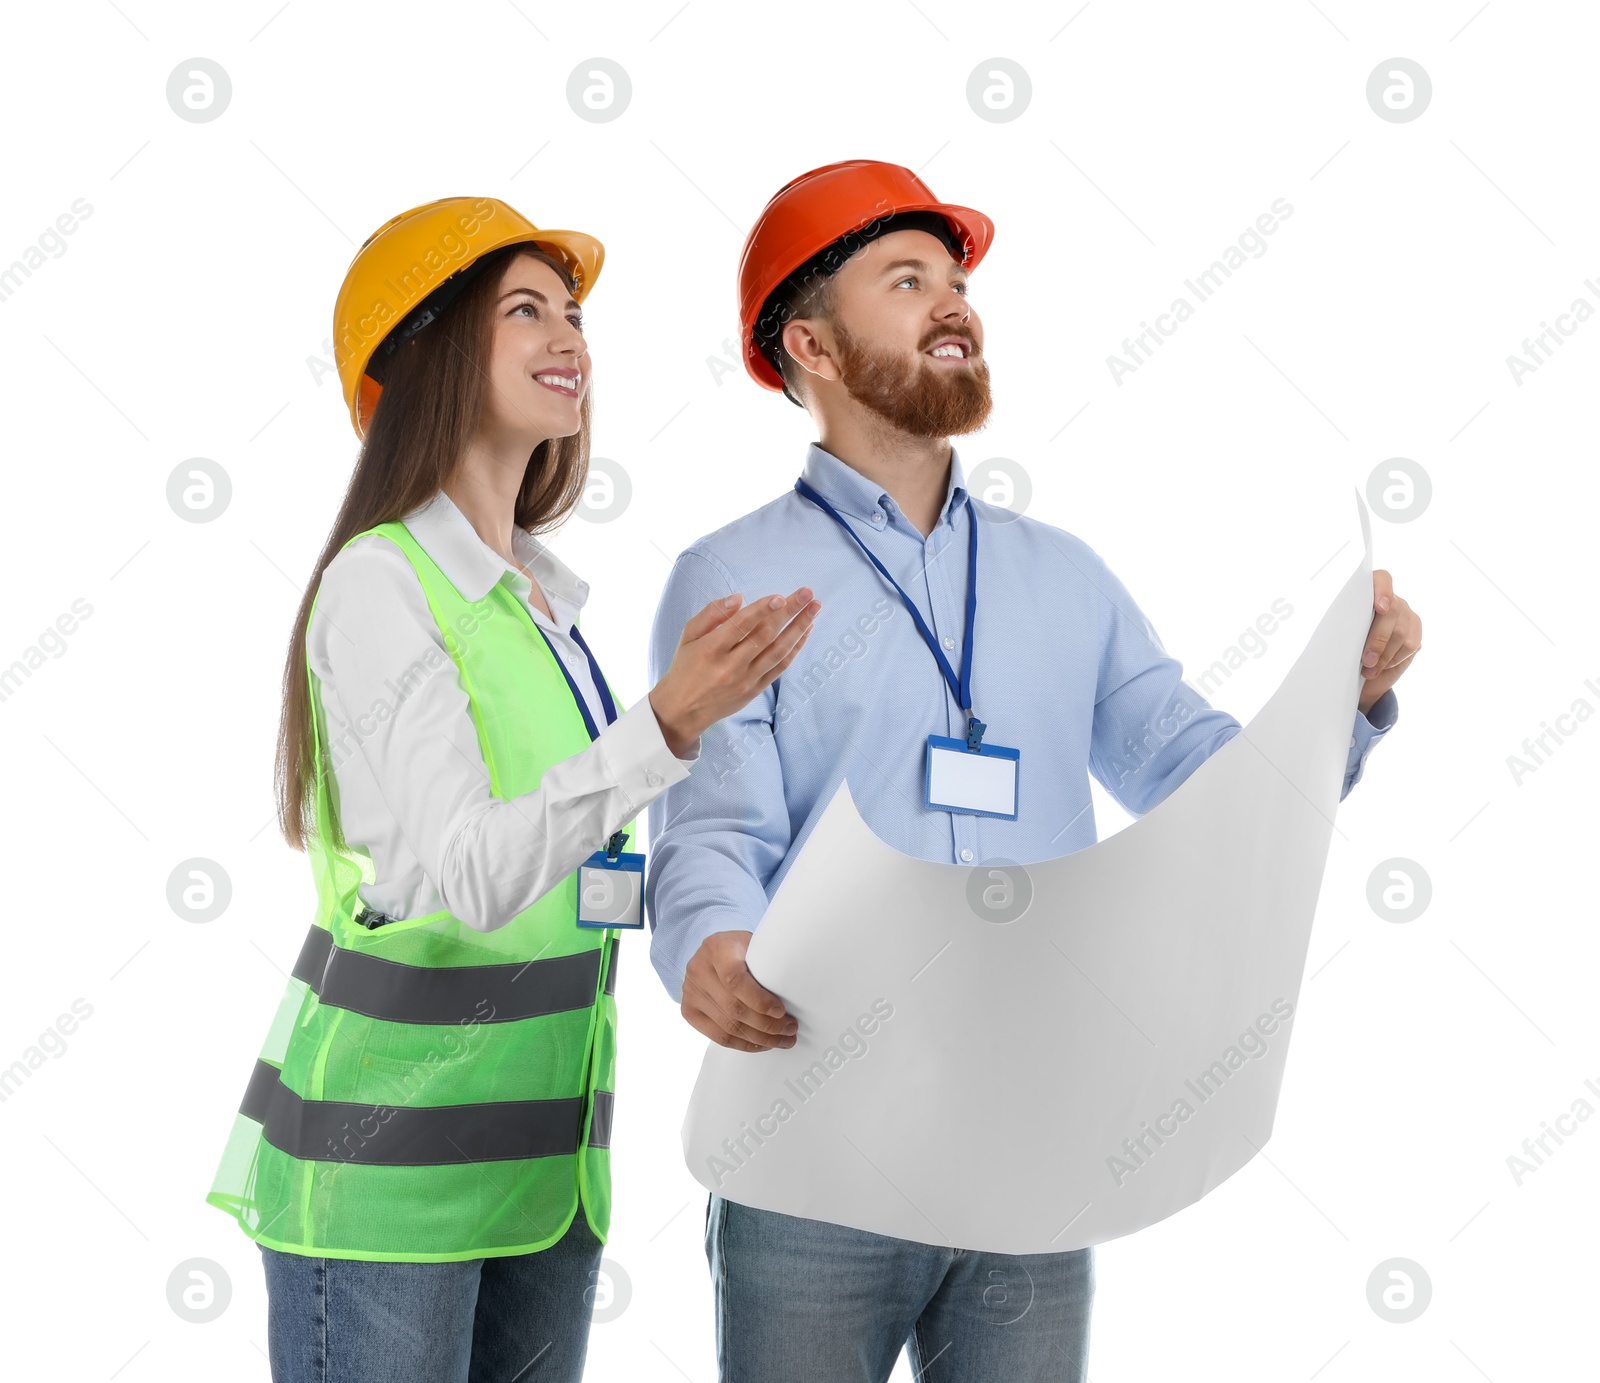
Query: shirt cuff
x=1380, y=718
x=637, y=755
x=1370, y=727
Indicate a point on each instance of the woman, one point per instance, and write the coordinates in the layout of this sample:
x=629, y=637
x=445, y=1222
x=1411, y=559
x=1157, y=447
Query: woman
x=423, y=1150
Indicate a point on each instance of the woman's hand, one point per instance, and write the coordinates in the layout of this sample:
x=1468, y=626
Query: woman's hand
x=726, y=656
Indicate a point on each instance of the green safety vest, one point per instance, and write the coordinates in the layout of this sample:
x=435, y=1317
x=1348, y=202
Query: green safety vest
x=429, y=1092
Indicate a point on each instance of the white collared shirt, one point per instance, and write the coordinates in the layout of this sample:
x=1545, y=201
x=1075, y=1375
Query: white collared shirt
x=411, y=786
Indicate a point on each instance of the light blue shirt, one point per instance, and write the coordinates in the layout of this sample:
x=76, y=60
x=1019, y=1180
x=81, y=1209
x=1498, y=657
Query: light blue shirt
x=1065, y=669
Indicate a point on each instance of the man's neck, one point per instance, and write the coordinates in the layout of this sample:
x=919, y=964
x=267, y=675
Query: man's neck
x=914, y=470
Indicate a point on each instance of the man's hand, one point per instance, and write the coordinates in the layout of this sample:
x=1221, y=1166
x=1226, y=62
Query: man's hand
x=722, y=999
x=1395, y=636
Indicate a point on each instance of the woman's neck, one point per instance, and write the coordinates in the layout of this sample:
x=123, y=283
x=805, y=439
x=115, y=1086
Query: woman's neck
x=487, y=495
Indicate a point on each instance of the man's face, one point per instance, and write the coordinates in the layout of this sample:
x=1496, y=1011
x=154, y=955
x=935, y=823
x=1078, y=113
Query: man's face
x=908, y=344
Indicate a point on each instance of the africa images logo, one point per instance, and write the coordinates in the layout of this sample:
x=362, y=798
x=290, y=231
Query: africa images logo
x=1251, y=1045
x=805, y=1087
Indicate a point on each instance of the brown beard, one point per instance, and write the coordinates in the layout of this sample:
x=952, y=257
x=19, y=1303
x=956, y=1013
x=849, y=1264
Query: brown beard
x=912, y=396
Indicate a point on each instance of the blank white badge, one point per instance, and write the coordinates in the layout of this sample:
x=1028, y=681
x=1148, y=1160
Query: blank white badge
x=962, y=781
x=610, y=897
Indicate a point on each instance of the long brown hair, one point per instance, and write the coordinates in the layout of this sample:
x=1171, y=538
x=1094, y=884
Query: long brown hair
x=433, y=396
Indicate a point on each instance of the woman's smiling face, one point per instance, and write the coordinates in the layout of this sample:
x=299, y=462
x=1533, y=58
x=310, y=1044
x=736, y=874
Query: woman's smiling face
x=539, y=363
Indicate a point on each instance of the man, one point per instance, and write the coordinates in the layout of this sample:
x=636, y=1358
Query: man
x=855, y=302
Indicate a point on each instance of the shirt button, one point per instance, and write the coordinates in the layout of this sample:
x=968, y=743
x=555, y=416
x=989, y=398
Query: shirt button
x=966, y=857
x=877, y=516
x=949, y=642
x=1352, y=741
x=653, y=778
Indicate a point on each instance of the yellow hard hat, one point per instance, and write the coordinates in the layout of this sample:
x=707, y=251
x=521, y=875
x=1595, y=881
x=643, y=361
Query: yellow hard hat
x=408, y=269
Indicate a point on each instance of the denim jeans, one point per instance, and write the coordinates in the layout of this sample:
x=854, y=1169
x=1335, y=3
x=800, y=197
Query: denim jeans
x=522, y=1317
x=802, y=1301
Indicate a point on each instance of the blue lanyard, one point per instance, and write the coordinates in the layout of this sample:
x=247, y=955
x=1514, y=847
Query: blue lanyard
x=960, y=687
x=618, y=838
x=606, y=703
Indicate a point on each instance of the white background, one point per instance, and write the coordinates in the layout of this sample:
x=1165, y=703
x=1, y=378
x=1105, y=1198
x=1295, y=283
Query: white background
x=187, y=315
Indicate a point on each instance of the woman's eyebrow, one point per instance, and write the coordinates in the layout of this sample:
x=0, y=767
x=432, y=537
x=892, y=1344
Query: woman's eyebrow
x=535, y=293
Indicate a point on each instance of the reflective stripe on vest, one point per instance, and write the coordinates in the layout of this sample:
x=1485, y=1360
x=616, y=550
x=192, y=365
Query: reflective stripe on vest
x=408, y=1136
x=399, y=993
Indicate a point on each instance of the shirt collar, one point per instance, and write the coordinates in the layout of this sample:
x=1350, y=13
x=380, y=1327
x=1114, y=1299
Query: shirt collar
x=473, y=567
x=850, y=492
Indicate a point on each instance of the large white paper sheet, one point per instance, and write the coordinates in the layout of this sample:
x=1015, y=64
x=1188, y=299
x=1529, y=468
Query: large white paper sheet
x=1095, y=1063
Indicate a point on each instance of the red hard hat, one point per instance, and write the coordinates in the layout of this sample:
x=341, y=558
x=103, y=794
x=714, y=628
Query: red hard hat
x=810, y=213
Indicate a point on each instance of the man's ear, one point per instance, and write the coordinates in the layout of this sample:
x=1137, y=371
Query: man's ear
x=803, y=338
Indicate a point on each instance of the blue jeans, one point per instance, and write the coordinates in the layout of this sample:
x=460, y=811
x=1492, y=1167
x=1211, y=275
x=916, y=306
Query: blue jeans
x=522, y=1317
x=802, y=1301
